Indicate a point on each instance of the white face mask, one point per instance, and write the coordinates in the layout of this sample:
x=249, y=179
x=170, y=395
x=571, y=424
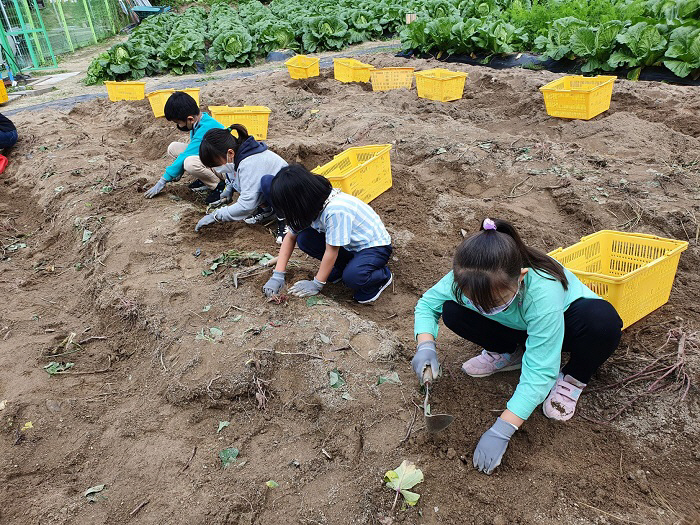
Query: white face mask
x=229, y=167
x=502, y=308
x=225, y=168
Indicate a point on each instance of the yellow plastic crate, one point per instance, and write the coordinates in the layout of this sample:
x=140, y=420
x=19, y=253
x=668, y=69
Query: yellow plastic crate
x=117, y=91
x=576, y=96
x=3, y=93
x=351, y=70
x=254, y=118
x=633, y=271
x=440, y=84
x=301, y=66
x=387, y=78
x=160, y=97
x=364, y=172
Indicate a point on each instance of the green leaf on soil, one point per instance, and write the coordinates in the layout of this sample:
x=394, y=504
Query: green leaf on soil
x=228, y=456
x=206, y=273
x=336, y=380
x=314, y=300
x=222, y=425
x=16, y=246
x=54, y=367
x=201, y=336
x=390, y=377
x=272, y=484
x=216, y=332
x=237, y=318
x=206, y=308
x=86, y=235
x=347, y=397
x=324, y=339
x=403, y=478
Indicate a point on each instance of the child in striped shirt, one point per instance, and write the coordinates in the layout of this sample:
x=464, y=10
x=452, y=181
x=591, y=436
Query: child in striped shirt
x=343, y=232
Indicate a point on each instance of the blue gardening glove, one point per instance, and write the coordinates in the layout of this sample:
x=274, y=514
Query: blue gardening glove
x=274, y=284
x=492, y=446
x=155, y=190
x=306, y=288
x=206, y=221
x=426, y=355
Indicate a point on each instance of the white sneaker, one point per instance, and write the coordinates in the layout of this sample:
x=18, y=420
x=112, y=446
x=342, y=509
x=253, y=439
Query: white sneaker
x=488, y=363
x=384, y=287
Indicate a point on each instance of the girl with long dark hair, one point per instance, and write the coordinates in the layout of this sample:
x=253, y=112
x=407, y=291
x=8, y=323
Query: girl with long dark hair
x=523, y=308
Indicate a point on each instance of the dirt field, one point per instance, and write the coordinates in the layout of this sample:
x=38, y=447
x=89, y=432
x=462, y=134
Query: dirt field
x=140, y=408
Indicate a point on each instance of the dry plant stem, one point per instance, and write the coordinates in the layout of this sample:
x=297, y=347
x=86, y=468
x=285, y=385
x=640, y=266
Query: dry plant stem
x=139, y=507
x=294, y=353
x=624, y=520
x=410, y=427
x=189, y=461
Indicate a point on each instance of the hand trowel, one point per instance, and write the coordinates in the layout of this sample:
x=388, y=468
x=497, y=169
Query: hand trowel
x=433, y=422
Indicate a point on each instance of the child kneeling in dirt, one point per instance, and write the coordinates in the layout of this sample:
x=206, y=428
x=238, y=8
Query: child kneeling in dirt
x=242, y=161
x=342, y=231
x=523, y=308
x=183, y=110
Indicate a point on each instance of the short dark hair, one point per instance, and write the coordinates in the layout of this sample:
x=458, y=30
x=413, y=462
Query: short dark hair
x=179, y=106
x=491, y=260
x=216, y=142
x=299, y=195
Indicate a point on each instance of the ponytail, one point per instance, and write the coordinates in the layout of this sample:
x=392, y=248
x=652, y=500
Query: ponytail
x=491, y=260
x=216, y=142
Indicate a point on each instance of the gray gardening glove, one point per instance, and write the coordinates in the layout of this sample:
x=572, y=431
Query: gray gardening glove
x=275, y=284
x=492, y=446
x=306, y=288
x=206, y=221
x=426, y=355
x=155, y=190
x=227, y=193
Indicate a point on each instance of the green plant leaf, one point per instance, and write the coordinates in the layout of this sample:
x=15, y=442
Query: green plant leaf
x=228, y=456
x=54, y=367
x=405, y=477
x=389, y=377
x=336, y=379
x=216, y=332
x=222, y=425
x=272, y=484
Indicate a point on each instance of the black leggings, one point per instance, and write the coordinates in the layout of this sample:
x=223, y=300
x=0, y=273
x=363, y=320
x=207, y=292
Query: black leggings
x=592, y=331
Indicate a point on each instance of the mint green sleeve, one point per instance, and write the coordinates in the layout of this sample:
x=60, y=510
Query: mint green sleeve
x=541, y=362
x=429, y=307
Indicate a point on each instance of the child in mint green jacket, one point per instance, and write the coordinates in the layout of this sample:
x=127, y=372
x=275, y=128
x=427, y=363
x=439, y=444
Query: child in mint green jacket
x=523, y=308
x=183, y=110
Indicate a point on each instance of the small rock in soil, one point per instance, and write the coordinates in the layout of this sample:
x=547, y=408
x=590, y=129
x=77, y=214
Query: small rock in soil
x=451, y=454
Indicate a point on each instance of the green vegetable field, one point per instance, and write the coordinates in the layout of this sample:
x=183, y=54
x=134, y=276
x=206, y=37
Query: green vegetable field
x=602, y=35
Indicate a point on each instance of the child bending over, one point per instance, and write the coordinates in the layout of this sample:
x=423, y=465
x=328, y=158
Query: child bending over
x=342, y=231
x=242, y=161
x=523, y=308
x=183, y=110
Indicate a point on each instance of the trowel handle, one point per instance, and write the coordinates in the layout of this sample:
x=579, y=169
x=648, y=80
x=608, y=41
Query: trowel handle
x=427, y=375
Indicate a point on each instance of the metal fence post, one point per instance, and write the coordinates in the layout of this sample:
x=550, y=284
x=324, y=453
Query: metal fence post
x=63, y=22
x=111, y=18
x=92, y=28
x=43, y=30
x=20, y=18
x=31, y=26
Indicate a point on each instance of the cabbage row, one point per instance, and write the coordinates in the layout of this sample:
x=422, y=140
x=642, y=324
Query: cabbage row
x=603, y=35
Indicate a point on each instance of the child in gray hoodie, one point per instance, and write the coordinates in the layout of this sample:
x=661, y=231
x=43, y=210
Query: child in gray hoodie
x=241, y=161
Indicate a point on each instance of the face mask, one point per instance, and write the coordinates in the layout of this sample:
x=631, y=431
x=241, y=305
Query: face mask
x=183, y=128
x=229, y=167
x=501, y=308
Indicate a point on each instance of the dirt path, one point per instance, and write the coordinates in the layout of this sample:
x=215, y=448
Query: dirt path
x=140, y=408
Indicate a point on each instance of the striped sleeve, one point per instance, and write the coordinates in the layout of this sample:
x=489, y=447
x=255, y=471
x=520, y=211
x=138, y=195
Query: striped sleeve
x=339, y=228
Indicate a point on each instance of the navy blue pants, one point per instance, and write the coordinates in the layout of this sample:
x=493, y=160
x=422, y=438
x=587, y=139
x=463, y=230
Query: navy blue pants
x=364, y=272
x=8, y=139
x=265, y=182
x=592, y=331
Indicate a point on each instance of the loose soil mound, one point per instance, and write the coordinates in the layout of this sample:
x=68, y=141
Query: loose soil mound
x=140, y=409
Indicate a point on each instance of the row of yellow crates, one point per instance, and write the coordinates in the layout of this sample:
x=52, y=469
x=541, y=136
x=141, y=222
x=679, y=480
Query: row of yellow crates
x=572, y=96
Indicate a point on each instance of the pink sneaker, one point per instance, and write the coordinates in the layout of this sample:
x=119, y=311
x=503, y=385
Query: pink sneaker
x=491, y=362
x=561, y=401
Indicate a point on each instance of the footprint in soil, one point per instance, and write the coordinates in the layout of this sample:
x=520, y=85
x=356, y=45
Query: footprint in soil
x=312, y=85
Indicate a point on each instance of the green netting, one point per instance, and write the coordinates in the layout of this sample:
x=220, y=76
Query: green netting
x=34, y=31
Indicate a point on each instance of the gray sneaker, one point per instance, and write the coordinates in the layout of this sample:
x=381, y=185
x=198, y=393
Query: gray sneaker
x=261, y=216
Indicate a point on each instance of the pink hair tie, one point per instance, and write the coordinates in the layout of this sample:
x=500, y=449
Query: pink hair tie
x=489, y=225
